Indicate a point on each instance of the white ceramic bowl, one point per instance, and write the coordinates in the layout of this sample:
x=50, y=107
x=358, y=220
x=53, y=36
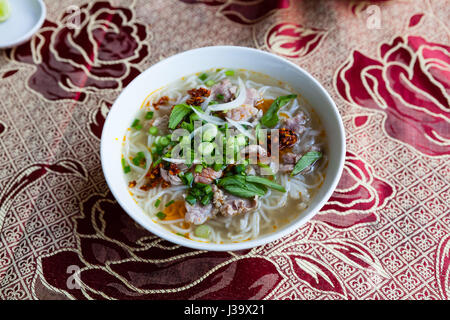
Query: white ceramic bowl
x=129, y=101
x=27, y=16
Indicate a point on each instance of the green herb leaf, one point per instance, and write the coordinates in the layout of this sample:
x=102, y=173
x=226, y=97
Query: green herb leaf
x=270, y=118
x=265, y=182
x=305, y=161
x=178, y=113
x=238, y=186
x=232, y=180
x=239, y=191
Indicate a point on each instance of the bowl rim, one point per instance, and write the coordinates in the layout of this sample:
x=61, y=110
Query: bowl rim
x=26, y=36
x=262, y=240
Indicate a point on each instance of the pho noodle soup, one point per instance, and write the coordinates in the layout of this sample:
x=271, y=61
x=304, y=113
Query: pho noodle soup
x=224, y=156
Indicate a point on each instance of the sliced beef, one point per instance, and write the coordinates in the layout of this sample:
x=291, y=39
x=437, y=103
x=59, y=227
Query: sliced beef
x=296, y=124
x=198, y=214
x=162, y=123
x=225, y=88
x=289, y=160
x=229, y=205
x=174, y=180
x=255, y=150
x=247, y=111
x=207, y=176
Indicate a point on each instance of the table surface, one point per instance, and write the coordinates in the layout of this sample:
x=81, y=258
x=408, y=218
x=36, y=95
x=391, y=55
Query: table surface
x=384, y=234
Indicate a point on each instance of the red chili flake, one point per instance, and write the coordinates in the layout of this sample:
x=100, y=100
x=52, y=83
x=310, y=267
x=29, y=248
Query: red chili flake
x=132, y=184
x=173, y=170
x=200, y=92
x=195, y=101
x=153, y=178
x=161, y=101
x=286, y=139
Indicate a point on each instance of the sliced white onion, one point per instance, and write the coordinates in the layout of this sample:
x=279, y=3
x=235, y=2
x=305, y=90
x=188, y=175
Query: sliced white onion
x=240, y=128
x=240, y=99
x=208, y=118
x=174, y=160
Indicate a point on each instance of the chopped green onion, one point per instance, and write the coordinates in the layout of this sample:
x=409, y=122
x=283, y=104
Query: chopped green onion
x=206, y=148
x=169, y=203
x=210, y=83
x=217, y=166
x=126, y=168
x=240, y=140
x=212, y=102
x=205, y=200
x=210, y=133
x=136, y=124
x=138, y=159
x=187, y=178
x=229, y=73
x=164, y=141
x=202, y=231
x=203, y=76
x=208, y=189
x=149, y=115
x=198, y=168
x=161, y=215
x=157, y=203
x=191, y=199
x=153, y=131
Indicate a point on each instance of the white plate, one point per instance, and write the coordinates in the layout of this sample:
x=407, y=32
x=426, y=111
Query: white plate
x=27, y=16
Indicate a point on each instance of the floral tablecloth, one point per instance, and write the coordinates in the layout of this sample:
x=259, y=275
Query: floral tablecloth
x=384, y=234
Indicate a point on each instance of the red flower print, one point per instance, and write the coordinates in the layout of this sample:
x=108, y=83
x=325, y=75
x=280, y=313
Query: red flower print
x=98, y=117
x=293, y=40
x=100, y=54
x=244, y=11
x=117, y=258
x=357, y=197
x=410, y=83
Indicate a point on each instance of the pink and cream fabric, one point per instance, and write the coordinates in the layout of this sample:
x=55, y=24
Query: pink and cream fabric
x=385, y=232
